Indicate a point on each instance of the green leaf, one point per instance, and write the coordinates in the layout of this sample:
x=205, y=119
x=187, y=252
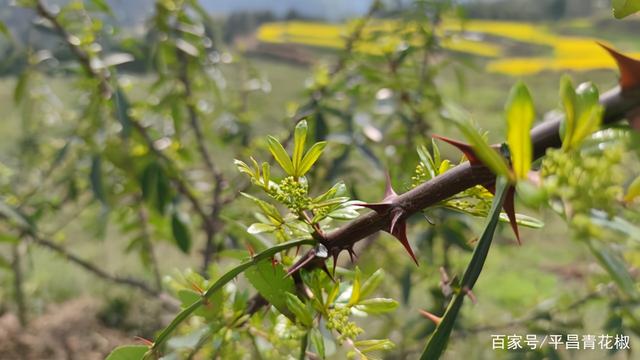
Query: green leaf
x=258, y=228
x=155, y=185
x=615, y=223
x=268, y=209
x=21, y=87
x=102, y=6
x=272, y=283
x=484, y=243
x=14, y=215
x=624, y=8
x=372, y=283
x=180, y=232
x=487, y=155
x=280, y=155
x=427, y=160
x=164, y=334
x=299, y=139
x=333, y=294
x=589, y=113
x=304, y=344
x=318, y=342
x=95, y=176
x=568, y=100
x=187, y=47
x=346, y=213
x=440, y=337
x=366, y=346
x=355, y=288
x=633, y=191
x=615, y=267
x=524, y=220
x=121, y=109
x=209, y=312
x=128, y=352
x=520, y=116
x=244, y=168
x=266, y=175
x=299, y=309
x=311, y=157
x=377, y=305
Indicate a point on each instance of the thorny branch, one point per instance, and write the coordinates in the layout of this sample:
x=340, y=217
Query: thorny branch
x=617, y=104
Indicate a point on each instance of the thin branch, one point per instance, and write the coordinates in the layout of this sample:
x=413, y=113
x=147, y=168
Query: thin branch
x=18, y=283
x=194, y=119
x=149, y=247
x=101, y=273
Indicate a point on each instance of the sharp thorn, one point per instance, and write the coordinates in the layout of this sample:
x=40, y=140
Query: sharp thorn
x=352, y=254
x=429, y=220
x=470, y=294
x=301, y=263
x=335, y=261
x=436, y=319
x=326, y=271
x=400, y=233
x=466, y=149
x=380, y=207
x=629, y=68
x=509, y=209
x=388, y=190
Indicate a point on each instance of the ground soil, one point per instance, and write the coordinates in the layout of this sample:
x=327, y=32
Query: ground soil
x=68, y=331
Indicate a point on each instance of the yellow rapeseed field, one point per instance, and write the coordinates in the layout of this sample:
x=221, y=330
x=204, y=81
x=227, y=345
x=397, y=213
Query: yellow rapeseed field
x=477, y=37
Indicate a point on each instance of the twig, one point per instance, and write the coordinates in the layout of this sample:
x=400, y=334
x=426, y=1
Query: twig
x=148, y=246
x=101, y=273
x=18, y=283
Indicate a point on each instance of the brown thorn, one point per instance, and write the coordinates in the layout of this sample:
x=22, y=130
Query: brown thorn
x=352, y=254
x=335, y=260
x=470, y=294
x=400, y=233
x=629, y=68
x=388, y=190
x=326, y=271
x=301, y=263
x=436, y=319
x=509, y=208
x=466, y=149
x=380, y=207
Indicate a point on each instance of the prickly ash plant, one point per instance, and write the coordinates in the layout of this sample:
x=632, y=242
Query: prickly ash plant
x=298, y=292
